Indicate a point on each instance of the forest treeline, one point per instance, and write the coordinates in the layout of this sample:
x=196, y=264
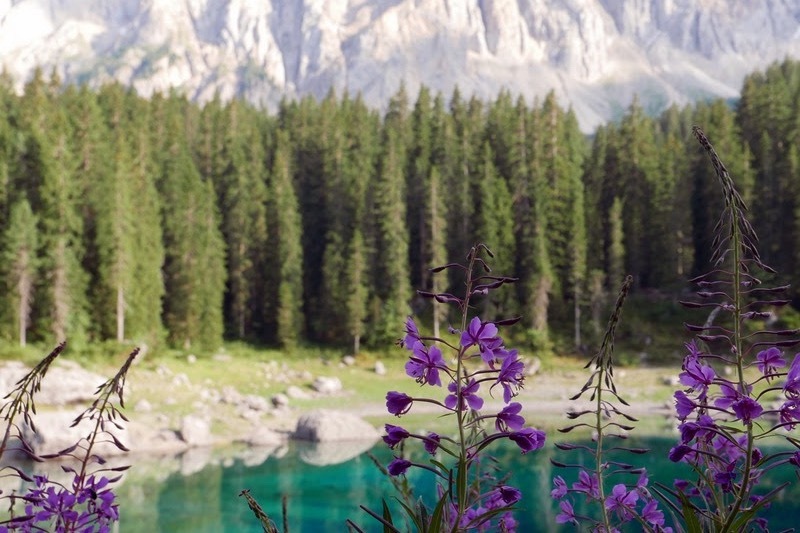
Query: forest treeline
x=163, y=220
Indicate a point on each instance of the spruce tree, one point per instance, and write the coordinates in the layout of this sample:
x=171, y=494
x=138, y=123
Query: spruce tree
x=18, y=270
x=285, y=240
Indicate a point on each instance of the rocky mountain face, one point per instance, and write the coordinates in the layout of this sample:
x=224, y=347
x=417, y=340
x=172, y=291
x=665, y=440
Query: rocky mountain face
x=596, y=54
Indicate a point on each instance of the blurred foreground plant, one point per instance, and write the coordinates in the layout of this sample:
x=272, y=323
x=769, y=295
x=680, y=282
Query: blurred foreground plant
x=88, y=504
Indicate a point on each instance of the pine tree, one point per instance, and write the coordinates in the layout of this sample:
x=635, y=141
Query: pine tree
x=286, y=246
x=18, y=269
x=194, y=266
x=391, y=286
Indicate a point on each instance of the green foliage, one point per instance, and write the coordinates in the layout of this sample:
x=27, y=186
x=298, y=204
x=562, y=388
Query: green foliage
x=111, y=179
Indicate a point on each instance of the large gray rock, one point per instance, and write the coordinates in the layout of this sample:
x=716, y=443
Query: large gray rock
x=327, y=385
x=196, y=431
x=325, y=425
x=65, y=383
x=53, y=434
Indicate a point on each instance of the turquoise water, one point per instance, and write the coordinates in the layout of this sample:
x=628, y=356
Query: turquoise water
x=157, y=497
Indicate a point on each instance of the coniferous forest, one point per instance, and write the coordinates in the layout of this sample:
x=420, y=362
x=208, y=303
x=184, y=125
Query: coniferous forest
x=164, y=221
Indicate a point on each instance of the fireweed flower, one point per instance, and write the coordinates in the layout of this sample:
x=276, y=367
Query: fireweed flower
x=789, y=413
x=476, y=506
x=411, y=336
x=398, y=403
x=654, y=516
x=528, y=439
x=509, y=419
x=468, y=396
x=747, y=409
x=425, y=364
x=394, y=435
x=560, y=488
x=587, y=483
x=510, y=376
x=567, y=513
x=792, y=386
x=483, y=335
x=769, y=361
x=684, y=406
x=398, y=466
x=697, y=375
x=432, y=443
x=622, y=501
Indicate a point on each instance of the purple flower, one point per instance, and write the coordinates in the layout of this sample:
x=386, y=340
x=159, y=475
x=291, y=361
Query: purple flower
x=702, y=428
x=792, y=386
x=468, y=396
x=696, y=375
x=528, y=439
x=729, y=396
x=398, y=403
x=679, y=452
x=425, y=364
x=502, y=496
x=432, y=443
x=510, y=376
x=769, y=361
x=398, y=466
x=560, y=488
x=683, y=405
x=587, y=483
x=412, y=334
x=567, y=513
x=795, y=459
x=651, y=513
x=394, y=435
x=509, y=419
x=724, y=478
x=484, y=335
x=622, y=501
x=747, y=409
x=507, y=523
x=790, y=413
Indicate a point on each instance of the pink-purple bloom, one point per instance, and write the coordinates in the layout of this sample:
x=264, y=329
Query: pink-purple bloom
x=792, y=386
x=432, y=443
x=567, y=513
x=510, y=376
x=651, y=514
x=425, y=364
x=587, y=483
x=412, y=334
x=394, y=435
x=528, y=439
x=398, y=403
x=398, y=466
x=483, y=335
x=559, y=488
x=769, y=361
x=622, y=501
x=684, y=406
x=747, y=409
x=509, y=419
x=468, y=396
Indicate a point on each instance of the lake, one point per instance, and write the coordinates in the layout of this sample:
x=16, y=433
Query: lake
x=198, y=492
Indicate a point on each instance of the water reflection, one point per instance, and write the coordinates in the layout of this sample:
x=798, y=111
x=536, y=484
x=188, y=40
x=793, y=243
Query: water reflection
x=198, y=491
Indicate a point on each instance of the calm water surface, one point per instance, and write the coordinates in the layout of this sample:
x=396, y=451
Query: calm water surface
x=198, y=492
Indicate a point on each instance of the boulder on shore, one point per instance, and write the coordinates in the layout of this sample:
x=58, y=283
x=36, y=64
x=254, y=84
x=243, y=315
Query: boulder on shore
x=326, y=425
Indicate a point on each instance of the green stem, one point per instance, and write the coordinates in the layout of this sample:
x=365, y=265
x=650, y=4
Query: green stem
x=737, y=338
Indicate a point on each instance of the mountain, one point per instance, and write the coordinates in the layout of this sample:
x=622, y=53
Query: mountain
x=596, y=54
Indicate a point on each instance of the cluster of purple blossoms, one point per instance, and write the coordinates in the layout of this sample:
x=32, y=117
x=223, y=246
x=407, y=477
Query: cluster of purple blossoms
x=719, y=422
x=495, y=366
x=624, y=504
x=90, y=508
